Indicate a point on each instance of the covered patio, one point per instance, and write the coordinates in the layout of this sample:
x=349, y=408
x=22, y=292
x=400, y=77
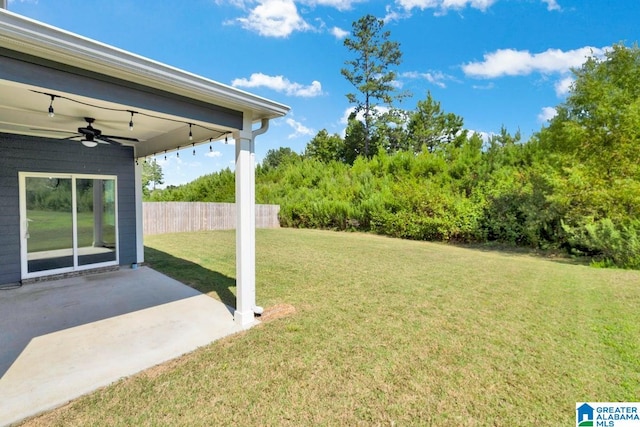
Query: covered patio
x=78, y=118
x=68, y=337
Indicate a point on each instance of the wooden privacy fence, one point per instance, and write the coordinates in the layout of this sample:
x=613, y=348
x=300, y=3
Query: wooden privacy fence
x=177, y=217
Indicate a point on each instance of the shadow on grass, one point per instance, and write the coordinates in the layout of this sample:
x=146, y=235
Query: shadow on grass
x=506, y=249
x=192, y=274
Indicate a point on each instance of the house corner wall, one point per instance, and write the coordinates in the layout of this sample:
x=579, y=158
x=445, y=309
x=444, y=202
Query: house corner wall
x=31, y=154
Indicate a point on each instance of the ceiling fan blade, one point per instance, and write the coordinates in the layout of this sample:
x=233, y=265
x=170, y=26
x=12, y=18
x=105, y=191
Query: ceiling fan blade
x=104, y=139
x=89, y=131
x=124, y=138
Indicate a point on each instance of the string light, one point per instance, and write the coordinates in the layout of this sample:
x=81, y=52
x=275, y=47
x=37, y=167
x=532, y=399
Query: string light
x=131, y=121
x=51, y=112
x=178, y=152
x=165, y=154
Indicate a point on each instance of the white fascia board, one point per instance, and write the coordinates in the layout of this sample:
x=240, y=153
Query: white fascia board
x=41, y=40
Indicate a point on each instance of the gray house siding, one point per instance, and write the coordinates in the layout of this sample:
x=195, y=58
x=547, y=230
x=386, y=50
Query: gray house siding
x=30, y=154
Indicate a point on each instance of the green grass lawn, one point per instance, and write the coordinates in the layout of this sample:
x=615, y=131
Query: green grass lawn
x=387, y=332
x=51, y=230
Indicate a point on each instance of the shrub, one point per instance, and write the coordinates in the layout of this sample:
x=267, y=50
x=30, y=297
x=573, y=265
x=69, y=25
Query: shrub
x=608, y=243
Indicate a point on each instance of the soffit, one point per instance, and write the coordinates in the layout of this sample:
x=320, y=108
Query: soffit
x=23, y=109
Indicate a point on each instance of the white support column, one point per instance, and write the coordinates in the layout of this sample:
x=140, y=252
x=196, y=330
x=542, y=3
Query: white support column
x=139, y=224
x=245, y=225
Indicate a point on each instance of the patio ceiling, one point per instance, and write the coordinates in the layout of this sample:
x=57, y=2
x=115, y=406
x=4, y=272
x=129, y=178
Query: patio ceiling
x=91, y=79
x=24, y=111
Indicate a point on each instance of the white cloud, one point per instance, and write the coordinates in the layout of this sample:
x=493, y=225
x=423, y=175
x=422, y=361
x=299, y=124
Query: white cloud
x=339, y=33
x=274, y=18
x=485, y=136
x=344, y=120
x=461, y=4
x=552, y=5
x=563, y=86
x=436, y=78
x=165, y=159
x=338, y=4
x=443, y=6
x=484, y=87
x=547, y=114
x=511, y=62
x=280, y=84
x=299, y=129
x=237, y=3
x=213, y=154
x=395, y=15
x=396, y=84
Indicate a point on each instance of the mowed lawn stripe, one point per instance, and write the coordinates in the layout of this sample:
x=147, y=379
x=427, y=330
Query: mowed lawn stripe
x=387, y=332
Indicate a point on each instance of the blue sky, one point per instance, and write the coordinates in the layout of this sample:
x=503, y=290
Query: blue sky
x=493, y=62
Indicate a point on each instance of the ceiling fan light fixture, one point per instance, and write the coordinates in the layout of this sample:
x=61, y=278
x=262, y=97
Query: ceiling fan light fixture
x=88, y=143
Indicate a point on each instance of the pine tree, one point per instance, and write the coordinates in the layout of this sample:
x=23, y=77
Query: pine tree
x=370, y=72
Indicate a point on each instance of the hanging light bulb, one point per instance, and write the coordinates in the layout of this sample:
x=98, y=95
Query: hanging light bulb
x=210, y=149
x=178, y=152
x=131, y=121
x=51, y=112
x=190, y=134
x=226, y=139
x=194, y=149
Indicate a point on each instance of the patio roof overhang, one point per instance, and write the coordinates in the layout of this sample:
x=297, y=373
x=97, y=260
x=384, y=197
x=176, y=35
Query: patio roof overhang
x=84, y=78
x=92, y=79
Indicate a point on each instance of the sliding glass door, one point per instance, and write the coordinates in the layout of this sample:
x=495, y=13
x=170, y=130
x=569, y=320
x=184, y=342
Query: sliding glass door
x=49, y=223
x=96, y=221
x=68, y=222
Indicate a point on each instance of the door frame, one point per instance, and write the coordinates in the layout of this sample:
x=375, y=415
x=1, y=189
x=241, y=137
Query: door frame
x=22, y=179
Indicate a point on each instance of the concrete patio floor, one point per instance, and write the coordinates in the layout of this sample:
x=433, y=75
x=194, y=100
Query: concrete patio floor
x=65, y=338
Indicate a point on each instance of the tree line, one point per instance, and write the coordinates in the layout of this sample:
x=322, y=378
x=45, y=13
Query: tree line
x=572, y=186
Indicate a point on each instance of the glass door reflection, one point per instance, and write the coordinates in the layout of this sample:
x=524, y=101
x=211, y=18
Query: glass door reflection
x=96, y=220
x=49, y=223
